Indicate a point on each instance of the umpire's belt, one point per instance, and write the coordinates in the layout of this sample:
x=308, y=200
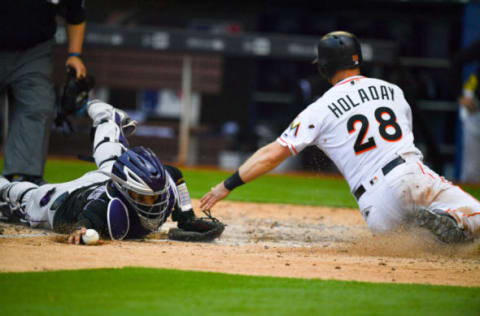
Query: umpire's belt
x=385, y=170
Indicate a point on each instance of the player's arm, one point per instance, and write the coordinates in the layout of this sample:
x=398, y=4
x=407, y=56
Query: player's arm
x=76, y=25
x=94, y=216
x=262, y=161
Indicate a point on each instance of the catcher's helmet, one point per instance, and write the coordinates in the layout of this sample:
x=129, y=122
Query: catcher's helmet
x=142, y=180
x=336, y=51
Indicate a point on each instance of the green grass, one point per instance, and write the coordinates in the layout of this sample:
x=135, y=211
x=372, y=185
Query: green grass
x=311, y=190
x=141, y=291
x=271, y=188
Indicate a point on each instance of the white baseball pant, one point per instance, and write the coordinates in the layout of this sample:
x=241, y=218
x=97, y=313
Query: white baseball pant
x=391, y=201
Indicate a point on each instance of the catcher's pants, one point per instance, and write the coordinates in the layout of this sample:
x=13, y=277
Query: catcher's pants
x=391, y=201
x=37, y=200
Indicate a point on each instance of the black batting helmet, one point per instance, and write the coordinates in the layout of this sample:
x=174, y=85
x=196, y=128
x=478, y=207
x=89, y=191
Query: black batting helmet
x=336, y=51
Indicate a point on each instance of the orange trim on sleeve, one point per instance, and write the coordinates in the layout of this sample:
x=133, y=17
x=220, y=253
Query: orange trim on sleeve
x=290, y=146
x=282, y=141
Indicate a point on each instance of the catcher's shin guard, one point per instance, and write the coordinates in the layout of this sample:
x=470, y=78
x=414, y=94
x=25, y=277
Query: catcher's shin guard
x=443, y=226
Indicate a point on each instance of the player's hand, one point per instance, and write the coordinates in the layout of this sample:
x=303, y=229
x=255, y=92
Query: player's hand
x=76, y=237
x=217, y=193
x=77, y=63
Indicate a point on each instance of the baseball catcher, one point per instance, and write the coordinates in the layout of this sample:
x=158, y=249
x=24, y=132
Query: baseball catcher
x=365, y=126
x=130, y=195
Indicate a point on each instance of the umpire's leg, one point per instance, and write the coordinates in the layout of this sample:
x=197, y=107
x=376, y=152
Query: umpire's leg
x=32, y=100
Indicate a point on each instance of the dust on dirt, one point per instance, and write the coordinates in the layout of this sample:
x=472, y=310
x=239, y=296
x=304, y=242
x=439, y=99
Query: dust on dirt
x=263, y=239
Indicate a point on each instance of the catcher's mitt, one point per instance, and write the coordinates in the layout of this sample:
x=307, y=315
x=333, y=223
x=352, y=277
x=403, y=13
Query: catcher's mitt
x=197, y=229
x=75, y=92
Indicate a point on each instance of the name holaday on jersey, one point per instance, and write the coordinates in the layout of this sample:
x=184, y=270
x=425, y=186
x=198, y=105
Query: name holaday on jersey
x=350, y=101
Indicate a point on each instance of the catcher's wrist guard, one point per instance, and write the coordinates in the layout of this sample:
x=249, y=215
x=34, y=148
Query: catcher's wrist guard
x=197, y=229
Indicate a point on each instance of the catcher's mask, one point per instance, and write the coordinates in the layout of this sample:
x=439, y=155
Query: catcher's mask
x=336, y=51
x=142, y=180
x=75, y=91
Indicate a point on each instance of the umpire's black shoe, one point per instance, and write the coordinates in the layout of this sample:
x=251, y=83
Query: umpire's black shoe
x=38, y=180
x=442, y=225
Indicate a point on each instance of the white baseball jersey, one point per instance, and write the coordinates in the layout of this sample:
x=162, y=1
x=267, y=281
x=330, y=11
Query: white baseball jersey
x=362, y=124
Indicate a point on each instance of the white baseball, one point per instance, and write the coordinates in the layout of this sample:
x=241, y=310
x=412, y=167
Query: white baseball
x=91, y=237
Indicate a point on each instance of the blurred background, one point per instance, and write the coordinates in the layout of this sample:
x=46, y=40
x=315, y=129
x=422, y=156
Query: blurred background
x=212, y=81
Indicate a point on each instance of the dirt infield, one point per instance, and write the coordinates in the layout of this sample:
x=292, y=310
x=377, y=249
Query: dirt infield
x=264, y=239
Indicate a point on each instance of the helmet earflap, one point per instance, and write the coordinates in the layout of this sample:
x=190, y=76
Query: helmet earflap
x=322, y=71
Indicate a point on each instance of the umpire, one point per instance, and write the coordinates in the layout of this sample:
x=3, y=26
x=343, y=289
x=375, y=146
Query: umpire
x=27, y=29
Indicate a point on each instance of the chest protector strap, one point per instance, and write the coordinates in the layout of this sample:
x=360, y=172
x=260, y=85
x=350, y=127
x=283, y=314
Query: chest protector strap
x=117, y=219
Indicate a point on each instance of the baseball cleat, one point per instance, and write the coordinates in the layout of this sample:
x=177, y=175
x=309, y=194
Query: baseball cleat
x=100, y=112
x=127, y=124
x=443, y=226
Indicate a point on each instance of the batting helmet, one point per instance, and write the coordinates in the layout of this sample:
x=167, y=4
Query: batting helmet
x=141, y=179
x=336, y=51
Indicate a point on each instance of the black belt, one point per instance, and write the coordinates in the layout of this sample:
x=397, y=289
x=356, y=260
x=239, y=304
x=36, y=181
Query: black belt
x=385, y=170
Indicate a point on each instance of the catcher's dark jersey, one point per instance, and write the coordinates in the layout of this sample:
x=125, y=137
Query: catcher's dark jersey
x=83, y=207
